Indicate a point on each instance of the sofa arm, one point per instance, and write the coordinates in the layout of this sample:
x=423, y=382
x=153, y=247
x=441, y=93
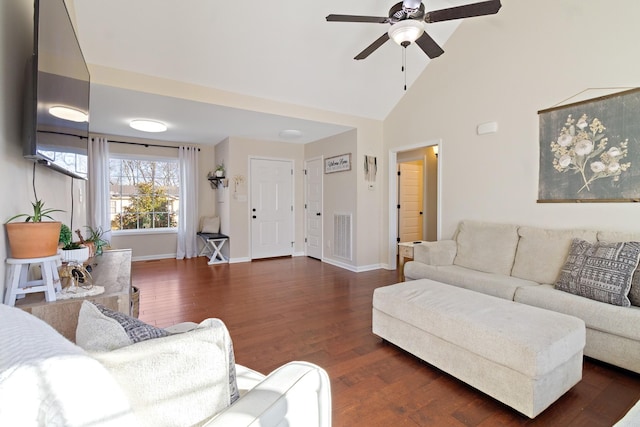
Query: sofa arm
x=442, y=252
x=297, y=394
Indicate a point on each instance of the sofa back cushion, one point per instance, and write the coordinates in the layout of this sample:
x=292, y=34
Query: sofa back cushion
x=486, y=247
x=542, y=253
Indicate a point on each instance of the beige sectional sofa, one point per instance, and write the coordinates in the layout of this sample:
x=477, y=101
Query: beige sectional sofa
x=522, y=263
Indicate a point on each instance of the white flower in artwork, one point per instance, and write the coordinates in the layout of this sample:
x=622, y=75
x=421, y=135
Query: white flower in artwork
x=582, y=122
x=597, y=167
x=613, y=167
x=564, y=161
x=584, y=147
x=614, y=152
x=565, y=140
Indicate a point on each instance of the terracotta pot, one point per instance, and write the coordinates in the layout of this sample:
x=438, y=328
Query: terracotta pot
x=33, y=239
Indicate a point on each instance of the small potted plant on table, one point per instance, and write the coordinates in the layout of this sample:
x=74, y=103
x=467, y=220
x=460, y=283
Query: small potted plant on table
x=72, y=251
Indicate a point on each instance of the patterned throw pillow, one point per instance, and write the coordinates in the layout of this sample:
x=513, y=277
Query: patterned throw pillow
x=135, y=329
x=600, y=271
x=634, y=292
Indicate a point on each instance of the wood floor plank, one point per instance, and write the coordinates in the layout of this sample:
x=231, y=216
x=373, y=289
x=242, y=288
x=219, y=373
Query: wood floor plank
x=302, y=309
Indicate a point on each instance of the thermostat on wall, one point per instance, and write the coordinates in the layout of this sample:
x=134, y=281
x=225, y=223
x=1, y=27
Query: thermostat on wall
x=489, y=127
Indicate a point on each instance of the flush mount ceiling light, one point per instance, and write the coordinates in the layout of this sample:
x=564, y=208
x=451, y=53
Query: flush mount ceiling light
x=68, y=113
x=406, y=32
x=290, y=134
x=148, y=125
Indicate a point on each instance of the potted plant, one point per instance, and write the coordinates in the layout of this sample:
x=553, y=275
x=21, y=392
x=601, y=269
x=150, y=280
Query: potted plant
x=71, y=251
x=34, y=237
x=96, y=238
x=220, y=170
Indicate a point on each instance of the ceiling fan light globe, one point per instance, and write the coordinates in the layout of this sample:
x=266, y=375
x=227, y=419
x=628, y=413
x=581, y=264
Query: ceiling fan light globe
x=407, y=31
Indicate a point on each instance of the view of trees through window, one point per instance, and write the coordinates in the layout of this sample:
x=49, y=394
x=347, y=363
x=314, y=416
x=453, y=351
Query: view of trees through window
x=144, y=193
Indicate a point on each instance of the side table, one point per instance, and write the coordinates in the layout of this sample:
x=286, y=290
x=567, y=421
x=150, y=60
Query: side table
x=405, y=251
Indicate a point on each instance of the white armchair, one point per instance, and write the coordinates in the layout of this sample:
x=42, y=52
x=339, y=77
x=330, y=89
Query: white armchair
x=47, y=380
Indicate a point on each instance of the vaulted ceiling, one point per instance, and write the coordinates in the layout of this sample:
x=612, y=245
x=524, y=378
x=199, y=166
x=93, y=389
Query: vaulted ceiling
x=281, y=50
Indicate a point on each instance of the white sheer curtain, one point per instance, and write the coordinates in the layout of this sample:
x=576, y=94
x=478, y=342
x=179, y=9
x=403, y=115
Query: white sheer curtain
x=188, y=220
x=98, y=186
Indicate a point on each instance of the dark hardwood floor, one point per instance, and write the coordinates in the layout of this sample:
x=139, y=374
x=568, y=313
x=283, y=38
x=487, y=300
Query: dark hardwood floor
x=301, y=309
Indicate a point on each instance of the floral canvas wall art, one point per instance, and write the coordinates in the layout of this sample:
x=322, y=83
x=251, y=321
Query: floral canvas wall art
x=590, y=150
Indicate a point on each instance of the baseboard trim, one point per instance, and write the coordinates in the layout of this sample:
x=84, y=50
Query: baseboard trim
x=152, y=257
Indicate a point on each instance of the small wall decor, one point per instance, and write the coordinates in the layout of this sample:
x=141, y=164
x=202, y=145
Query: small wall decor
x=339, y=163
x=590, y=150
x=370, y=168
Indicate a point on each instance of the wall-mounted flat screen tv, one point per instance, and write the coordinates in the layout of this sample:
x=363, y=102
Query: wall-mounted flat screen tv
x=56, y=121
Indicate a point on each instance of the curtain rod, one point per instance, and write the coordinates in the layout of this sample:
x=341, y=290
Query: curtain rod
x=144, y=144
x=117, y=142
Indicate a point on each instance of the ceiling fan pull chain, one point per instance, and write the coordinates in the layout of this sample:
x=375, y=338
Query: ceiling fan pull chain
x=404, y=67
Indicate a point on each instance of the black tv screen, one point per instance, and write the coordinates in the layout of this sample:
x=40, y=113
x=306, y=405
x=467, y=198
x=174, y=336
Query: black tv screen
x=57, y=77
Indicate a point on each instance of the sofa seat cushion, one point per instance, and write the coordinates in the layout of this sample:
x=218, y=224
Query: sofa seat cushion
x=541, y=253
x=486, y=247
x=47, y=380
x=607, y=318
x=497, y=285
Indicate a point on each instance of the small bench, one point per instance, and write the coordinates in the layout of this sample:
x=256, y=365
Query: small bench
x=523, y=356
x=212, y=247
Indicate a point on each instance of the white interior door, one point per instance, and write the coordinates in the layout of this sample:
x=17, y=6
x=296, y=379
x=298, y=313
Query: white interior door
x=411, y=201
x=271, y=208
x=313, y=208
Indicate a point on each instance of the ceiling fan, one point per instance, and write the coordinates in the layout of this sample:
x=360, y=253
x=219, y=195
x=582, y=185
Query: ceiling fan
x=406, y=19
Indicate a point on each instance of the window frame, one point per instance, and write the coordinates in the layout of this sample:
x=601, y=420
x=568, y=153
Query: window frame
x=148, y=158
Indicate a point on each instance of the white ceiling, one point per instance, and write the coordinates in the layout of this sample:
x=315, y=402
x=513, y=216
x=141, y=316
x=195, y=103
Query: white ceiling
x=282, y=50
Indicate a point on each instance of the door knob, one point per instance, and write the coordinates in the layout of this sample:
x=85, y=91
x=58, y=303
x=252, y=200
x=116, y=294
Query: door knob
x=318, y=214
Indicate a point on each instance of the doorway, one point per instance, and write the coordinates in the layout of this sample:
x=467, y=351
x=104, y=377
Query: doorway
x=271, y=207
x=432, y=184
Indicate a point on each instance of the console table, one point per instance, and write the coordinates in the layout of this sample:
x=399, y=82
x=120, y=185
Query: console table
x=112, y=270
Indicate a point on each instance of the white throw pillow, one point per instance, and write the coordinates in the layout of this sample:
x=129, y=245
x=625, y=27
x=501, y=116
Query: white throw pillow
x=210, y=224
x=102, y=329
x=178, y=380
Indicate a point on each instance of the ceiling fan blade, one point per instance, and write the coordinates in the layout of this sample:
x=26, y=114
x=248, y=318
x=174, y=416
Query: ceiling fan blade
x=373, y=46
x=357, y=18
x=429, y=46
x=466, y=11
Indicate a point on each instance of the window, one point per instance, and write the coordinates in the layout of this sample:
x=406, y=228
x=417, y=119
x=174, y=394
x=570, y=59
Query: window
x=144, y=193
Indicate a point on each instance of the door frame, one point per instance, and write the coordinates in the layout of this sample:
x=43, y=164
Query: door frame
x=393, y=195
x=249, y=195
x=321, y=159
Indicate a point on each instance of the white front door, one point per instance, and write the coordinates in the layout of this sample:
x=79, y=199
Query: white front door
x=271, y=208
x=313, y=208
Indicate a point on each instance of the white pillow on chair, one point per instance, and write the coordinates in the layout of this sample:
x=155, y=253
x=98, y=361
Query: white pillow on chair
x=210, y=224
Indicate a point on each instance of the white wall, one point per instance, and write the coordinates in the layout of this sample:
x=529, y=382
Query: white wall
x=504, y=68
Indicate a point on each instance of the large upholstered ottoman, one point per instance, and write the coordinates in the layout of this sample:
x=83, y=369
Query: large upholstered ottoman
x=523, y=356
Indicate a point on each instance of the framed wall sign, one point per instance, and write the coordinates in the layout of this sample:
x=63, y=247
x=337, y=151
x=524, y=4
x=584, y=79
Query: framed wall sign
x=339, y=163
x=590, y=150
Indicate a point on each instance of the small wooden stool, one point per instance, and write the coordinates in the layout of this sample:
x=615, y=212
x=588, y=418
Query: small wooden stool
x=18, y=286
